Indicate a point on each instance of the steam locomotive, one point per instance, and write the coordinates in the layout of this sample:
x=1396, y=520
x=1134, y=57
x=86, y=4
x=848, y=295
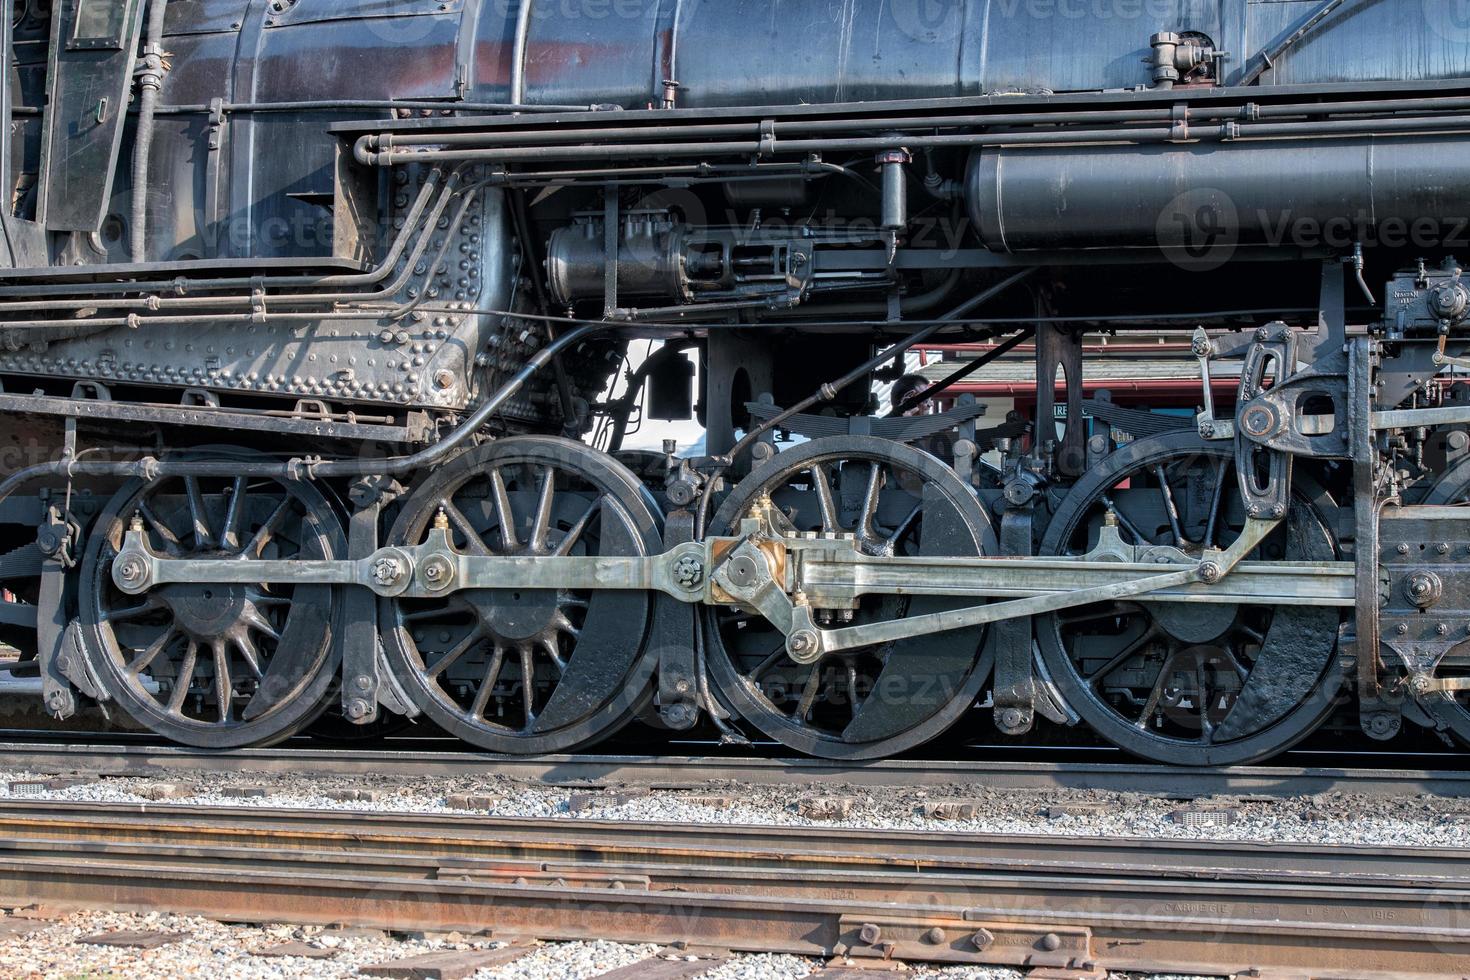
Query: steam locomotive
x=328, y=329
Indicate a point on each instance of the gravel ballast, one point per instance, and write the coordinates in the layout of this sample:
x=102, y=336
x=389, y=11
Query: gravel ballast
x=219, y=951
x=1418, y=821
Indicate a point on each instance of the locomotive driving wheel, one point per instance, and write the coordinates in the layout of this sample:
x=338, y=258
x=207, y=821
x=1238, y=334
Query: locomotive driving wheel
x=213, y=665
x=524, y=671
x=1199, y=684
x=873, y=701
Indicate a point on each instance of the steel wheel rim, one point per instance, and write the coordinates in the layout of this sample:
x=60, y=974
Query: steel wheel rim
x=272, y=644
x=1199, y=645
x=774, y=708
x=463, y=659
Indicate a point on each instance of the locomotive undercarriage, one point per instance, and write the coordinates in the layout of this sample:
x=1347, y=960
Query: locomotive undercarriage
x=1208, y=593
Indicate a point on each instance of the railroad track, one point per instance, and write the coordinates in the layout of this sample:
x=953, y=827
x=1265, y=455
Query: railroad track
x=1078, y=904
x=1383, y=779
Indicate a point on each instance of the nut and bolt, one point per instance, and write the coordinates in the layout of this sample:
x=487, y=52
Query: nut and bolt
x=869, y=934
x=131, y=570
x=438, y=572
x=983, y=939
x=387, y=571
x=688, y=572
x=802, y=643
x=357, y=709
x=1210, y=572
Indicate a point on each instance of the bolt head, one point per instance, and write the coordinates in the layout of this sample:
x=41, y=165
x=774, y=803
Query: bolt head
x=688, y=572
x=357, y=709
x=935, y=936
x=386, y=571
x=802, y=642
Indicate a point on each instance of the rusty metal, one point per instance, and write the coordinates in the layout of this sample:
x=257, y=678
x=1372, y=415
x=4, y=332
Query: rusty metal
x=1373, y=778
x=1040, y=917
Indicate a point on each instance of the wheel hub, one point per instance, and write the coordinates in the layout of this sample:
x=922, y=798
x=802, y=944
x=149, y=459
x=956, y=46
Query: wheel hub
x=207, y=611
x=517, y=616
x=1194, y=622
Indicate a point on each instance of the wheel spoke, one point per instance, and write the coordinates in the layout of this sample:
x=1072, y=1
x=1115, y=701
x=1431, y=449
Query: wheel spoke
x=249, y=654
x=870, y=501
x=474, y=544
x=259, y=623
x=229, y=535
x=184, y=679
x=1240, y=669
x=223, y=687
x=453, y=655
x=1156, y=694
x=171, y=543
x=131, y=612
x=560, y=622
x=503, y=512
x=198, y=517
x=773, y=658
x=1129, y=526
x=1122, y=657
x=541, y=522
x=809, y=692
x=567, y=543
x=487, y=683
x=553, y=654
x=1167, y=492
x=1215, y=504
x=528, y=686
x=272, y=524
x=822, y=483
x=141, y=661
x=904, y=525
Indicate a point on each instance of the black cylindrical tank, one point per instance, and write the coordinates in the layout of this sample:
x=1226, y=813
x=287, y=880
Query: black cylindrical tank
x=1307, y=193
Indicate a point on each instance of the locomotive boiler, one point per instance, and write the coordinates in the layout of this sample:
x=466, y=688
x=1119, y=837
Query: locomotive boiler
x=325, y=326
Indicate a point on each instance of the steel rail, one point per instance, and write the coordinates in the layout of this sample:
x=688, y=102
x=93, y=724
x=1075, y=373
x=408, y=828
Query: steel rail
x=1058, y=913
x=400, y=843
x=695, y=770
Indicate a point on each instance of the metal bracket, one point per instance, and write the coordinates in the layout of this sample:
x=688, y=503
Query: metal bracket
x=1015, y=691
x=1209, y=427
x=672, y=636
x=1268, y=497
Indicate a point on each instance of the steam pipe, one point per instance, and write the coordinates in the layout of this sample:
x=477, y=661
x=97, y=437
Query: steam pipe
x=150, y=82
